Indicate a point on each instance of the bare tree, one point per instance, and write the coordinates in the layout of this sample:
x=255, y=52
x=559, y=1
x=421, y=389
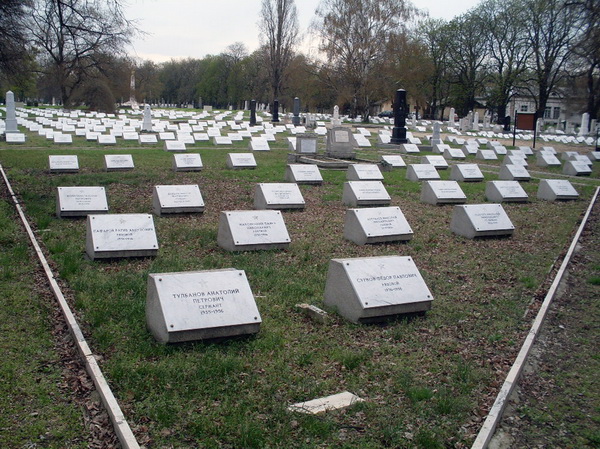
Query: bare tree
x=279, y=32
x=13, y=38
x=552, y=28
x=73, y=35
x=354, y=37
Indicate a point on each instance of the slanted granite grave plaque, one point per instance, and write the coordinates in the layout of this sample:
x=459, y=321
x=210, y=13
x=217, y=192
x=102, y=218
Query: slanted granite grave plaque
x=437, y=161
x=177, y=199
x=107, y=139
x=466, y=173
x=147, y=139
x=15, y=138
x=421, y=172
x=259, y=144
x=187, y=162
x=372, y=289
x=63, y=164
x=365, y=193
x=480, y=220
x=577, y=168
x=222, y=140
x=63, y=139
x=556, y=189
x=120, y=235
x=409, y=148
x=174, y=146
x=514, y=173
x=442, y=192
x=505, y=191
x=453, y=153
x=363, y=172
x=376, y=225
x=486, y=155
x=546, y=159
x=238, y=161
x=198, y=305
x=247, y=230
x=303, y=174
x=392, y=161
x=118, y=162
x=278, y=195
x=80, y=201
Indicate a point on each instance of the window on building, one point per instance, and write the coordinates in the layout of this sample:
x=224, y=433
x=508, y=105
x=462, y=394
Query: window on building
x=524, y=108
x=548, y=112
x=556, y=114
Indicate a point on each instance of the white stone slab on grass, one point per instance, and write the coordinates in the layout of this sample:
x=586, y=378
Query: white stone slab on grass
x=576, y=168
x=486, y=155
x=63, y=164
x=421, y=172
x=278, y=195
x=321, y=405
x=437, y=161
x=120, y=235
x=187, y=162
x=238, y=161
x=303, y=174
x=514, y=173
x=466, y=173
x=177, y=199
x=147, y=139
x=372, y=289
x=15, y=138
x=259, y=144
x=556, y=190
x=363, y=172
x=118, y=162
x=376, y=225
x=442, y=192
x=453, y=153
x=546, y=159
x=252, y=230
x=409, y=148
x=392, y=161
x=80, y=201
x=505, y=191
x=365, y=193
x=199, y=305
x=481, y=220
x=174, y=146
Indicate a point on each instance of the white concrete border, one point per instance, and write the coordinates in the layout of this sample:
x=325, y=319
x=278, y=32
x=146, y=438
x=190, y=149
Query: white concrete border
x=124, y=433
x=489, y=426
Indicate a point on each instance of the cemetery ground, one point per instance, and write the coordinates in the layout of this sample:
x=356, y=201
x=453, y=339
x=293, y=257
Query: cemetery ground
x=427, y=381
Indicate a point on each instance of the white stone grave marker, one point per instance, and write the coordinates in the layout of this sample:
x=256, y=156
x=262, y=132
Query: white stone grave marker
x=177, y=199
x=115, y=162
x=120, y=235
x=147, y=139
x=365, y=193
x=187, y=162
x=63, y=164
x=556, y=189
x=576, y=168
x=480, y=220
x=198, y=305
x=376, y=225
x=174, y=146
x=371, y=289
x=421, y=172
x=393, y=161
x=80, y=201
x=240, y=161
x=244, y=230
x=514, y=173
x=278, y=195
x=363, y=172
x=442, y=192
x=505, y=191
x=466, y=173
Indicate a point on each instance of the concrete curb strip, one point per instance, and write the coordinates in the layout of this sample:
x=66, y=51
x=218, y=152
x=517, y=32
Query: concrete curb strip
x=124, y=433
x=489, y=426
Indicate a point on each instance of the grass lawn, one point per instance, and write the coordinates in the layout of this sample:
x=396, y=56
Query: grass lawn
x=427, y=382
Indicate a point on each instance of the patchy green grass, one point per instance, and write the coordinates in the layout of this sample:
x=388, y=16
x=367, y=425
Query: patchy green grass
x=37, y=407
x=423, y=378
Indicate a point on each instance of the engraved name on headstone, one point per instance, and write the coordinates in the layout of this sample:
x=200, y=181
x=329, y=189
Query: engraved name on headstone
x=480, y=220
x=252, y=230
x=177, y=199
x=80, y=201
x=278, y=195
x=376, y=225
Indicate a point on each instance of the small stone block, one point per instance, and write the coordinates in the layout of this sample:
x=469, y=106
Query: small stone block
x=466, y=173
x=480, y=220
x=249, y=230
x=313, y=312
x=365, y=193
x=442, y=192
x=505, y=191
x=278, y=195
x=321, y=405
x=556, y=189
x=376, y=225
x=303, y=174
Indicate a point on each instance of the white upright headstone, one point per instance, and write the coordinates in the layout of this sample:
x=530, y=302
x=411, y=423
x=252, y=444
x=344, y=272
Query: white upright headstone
x=11, y=114
x=335, y=121
x=451, y=117
x=585, y=123
x=371, y=289
x=436, y=138
x=198, y=305
x=147, y=122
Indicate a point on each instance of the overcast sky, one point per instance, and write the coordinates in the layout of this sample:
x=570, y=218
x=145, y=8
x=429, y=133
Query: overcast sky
x=194, y=28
